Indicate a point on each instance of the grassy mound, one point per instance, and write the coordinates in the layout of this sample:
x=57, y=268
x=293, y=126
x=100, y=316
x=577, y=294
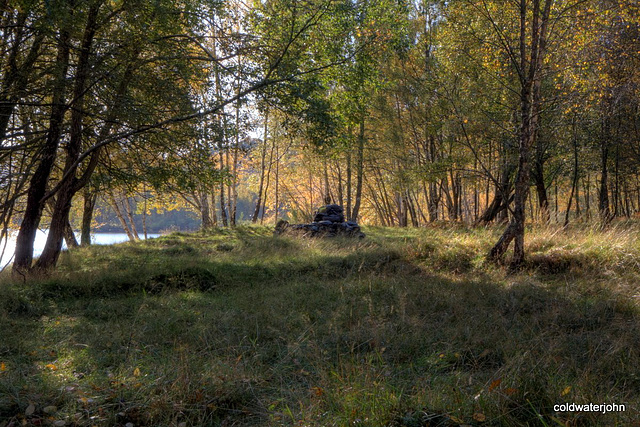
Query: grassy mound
x=408, y=327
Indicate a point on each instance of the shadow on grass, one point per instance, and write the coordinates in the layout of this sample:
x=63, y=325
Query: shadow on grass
x=345, y=336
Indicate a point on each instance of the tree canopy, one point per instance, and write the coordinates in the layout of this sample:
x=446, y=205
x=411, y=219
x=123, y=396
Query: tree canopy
x=406, y=113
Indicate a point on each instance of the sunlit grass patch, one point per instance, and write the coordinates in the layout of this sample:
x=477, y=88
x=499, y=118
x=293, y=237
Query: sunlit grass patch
x=405, y=327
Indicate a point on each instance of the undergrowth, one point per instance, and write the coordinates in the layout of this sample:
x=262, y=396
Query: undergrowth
x=407, y=327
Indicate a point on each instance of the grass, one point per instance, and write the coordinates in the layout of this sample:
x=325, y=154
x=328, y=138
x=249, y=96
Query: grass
x=407, y=327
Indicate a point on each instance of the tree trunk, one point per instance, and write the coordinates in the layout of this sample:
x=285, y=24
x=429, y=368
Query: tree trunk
x=359, y=172
x=574, y=182
x=69, y=185
x=233, y=201
x=70, y=237
x=60, y=216
x=530, y=73
x=205, y=211
x=384, y=196
x=268, y=180
x=605, y=213
x=263, y=159
x=401, y=209
x=339, y=183
x=541, y=190
x=129, y=210
x=587, y=192
x=144, y=214
x=377, y=205
x=39, y=180
x=90, y=198
x=413, y=210
x=444, y=188
x=223, y=208
x=349, y=216
x=616, y=181
x=502, y=196
x=123, y=222
x=276, y=193
x=325, y=173
x=229, y=184
x=433, y=198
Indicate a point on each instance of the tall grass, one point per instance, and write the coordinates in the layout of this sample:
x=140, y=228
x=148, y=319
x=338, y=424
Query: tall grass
x=407, y=327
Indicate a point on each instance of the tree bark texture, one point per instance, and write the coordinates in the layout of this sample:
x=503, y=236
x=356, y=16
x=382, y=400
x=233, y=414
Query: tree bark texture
x=530, y=77
x=90, y=198
x=40, y=178
x=60, y=216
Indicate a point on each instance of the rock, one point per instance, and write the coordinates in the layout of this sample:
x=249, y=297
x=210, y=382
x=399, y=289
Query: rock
x=319, y=229
x=332, y=213
x=328, y=222
x=30, y=410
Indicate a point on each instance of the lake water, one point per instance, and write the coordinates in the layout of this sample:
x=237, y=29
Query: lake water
x=41, y=238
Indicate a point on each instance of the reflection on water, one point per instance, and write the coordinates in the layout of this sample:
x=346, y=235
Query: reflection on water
x=41, y=238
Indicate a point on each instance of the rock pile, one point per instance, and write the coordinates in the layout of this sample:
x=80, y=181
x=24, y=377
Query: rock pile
x=331, y=213
x=327, y=222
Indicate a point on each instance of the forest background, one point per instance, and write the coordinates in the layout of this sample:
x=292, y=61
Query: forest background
x=406, y=113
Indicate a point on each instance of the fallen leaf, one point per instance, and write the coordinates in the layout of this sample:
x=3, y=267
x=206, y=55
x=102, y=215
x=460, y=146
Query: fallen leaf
x=49, y=409
x=456, y=420
x=136, y=372
x=495, y=384
x=485, y=353
x=479, y=417
x=566, y=390
x=30, y=410
x=510, y=391
x=59, y=423
x=51, y=366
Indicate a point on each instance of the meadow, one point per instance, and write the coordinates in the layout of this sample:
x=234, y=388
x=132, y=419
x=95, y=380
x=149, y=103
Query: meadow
x=406, y=327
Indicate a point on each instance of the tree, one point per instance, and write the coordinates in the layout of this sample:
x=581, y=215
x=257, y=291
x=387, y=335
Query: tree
x=528, y=61
x=112, y=57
